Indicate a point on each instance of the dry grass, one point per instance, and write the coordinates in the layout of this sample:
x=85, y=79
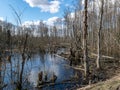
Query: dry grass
x=111, y=84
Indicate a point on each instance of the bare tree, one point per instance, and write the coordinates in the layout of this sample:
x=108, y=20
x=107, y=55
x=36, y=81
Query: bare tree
x=99, y=31
x=85, y=49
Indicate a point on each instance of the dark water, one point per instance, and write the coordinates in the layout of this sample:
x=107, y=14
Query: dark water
x=47, y=63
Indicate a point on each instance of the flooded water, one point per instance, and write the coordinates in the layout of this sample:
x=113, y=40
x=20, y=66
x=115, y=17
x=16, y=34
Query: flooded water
x=47, y=63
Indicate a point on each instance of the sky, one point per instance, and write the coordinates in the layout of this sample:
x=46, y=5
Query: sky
x=34, y=10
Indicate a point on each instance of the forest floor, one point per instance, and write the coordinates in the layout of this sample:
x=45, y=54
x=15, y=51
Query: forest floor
x=110, y=84
x=109, y=77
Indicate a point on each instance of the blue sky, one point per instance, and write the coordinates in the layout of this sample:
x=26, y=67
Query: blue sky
x=35, y=10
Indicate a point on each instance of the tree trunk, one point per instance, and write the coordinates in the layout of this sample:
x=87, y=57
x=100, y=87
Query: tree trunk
x=99, y=31
x=23, y=62
x=85, y=52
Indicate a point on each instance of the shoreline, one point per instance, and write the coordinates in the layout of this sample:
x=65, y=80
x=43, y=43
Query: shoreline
x=109, y=70
x=110, y=84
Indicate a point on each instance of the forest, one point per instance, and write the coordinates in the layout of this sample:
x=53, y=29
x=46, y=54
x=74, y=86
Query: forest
x=82, y=49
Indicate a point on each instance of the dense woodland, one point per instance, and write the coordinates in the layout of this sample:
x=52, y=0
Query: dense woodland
x=90, y=32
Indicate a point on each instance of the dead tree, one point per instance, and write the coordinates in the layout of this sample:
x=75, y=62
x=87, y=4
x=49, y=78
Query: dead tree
x=23, y=61
x=99, y=31
x=85, y=50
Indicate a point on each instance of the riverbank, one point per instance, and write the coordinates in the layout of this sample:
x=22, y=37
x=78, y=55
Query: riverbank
x=110, y=84
x=100, y=79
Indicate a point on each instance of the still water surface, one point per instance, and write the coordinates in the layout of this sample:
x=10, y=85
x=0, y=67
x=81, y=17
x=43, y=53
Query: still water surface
x=47, y=63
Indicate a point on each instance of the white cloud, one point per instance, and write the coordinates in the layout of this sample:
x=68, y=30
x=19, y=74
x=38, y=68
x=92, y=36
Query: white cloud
x=1, y=18
x=45, y=5
x=29, y=23
x=51, y=21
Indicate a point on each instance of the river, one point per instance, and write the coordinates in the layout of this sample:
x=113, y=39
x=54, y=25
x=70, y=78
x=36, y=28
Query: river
x=47, y=63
